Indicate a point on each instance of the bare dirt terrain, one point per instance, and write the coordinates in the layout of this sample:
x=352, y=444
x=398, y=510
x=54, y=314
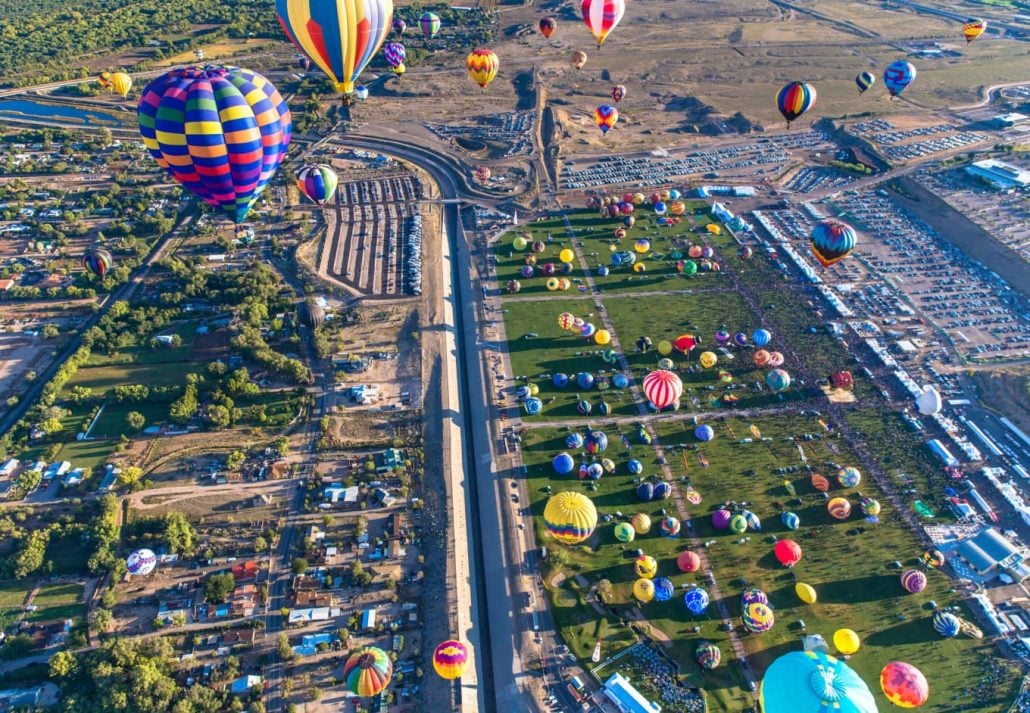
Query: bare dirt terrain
x=1006, y=391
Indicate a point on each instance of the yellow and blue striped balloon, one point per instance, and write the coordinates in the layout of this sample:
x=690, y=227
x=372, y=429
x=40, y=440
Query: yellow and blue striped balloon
x=340, y=36
x=219, y=131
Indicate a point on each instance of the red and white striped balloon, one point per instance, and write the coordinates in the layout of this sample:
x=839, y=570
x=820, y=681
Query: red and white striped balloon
x=662, y=388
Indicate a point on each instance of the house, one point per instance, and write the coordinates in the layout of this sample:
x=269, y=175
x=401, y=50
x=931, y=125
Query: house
x=170, y=609
x=6, y=285
x=315, y=534
x=626, y=698
x=72, y=478
x=336, y=493
x=243, y=685
x=368, y=619
x=8, y=468
x=397, y=550
x=303, y=616
x=48, y=634
x=109, y=480
x=306, y=584
x=245, y=571
x=308, y=599
x=165, y=340
x=20, y=698
x=56, y=470
x=388, y=460
x=384, y=498
x=244, y=600
x=240, y=637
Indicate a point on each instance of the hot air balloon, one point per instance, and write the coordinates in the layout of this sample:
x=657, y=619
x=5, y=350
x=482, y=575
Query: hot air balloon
x=752, y=595
x=721, y=519
x=708, y=359
x=104, y=80
x=482, y=65
x=795, y=99
x=566, y=320
x=839, y=508
x=913, y=581
x=570, y=518
x=220, y=132
x=643, y=590
x=596, y=442
x=641, y=245
x=934, y=558
x=602, y=337
x=929, y=402
x=761, y=337
x=618, y=94
x=685, y=343
x=533, y=406
x=367, y=671
x=399, y=25
x=738, y=524
x=606, y=116
x=645, y=491
x=318, y=182
x=790, y=520
x=563, y=464
x=740, y=339
x=601, y=17
x=787, y=552
x=864, y=80
x=777, y=379
x=757, y=617
x=430, y=24
x=831, y=241
x=141, y=562
x=548, y=26
x=898, y=76
x=775, y=359
x=663, y=589
x=670, y=526
x=624, y=532
x=450, y=659
x=577, y=59
x=120, y=82
x=761, y=358
x=974, y=28
x=805, y=593
x=688, y=561
x=394, y=54
x=340, y=37
x=904, y=685
x=870, y=507
x=946, y=624
x=849, y=477
x=310, y=314
x=97, y=260
x=708, y=655
x=662, y=491
x=662, y=388
x=641, y=522
x=846, y=641
x=745, y=252
x=645, y=566
x=813, y=682
x=704, y=432
x=696, y=601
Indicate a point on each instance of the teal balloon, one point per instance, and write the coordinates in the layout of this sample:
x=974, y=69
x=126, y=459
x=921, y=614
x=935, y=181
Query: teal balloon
x=813, y=682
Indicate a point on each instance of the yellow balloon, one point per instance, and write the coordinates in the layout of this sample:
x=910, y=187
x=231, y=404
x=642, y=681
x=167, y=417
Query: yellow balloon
x=519, y=243
x=708, y=359
x=641, y=522
x=552, y=283
x=566, y=255
x=643, y=590
x=846, y=641
x=664, y=348
x=534, y=389
x=639, y=267
x=602, y=336
x=121, y=83
x=805, y=592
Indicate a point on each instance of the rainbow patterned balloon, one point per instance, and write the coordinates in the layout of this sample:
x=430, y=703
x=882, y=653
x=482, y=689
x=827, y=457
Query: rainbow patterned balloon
x=318, y=182
x=570, y=518
x=367, y=671
x=601, y=17
x=795, y=99
x=340, y=36
x=430, y=24
x=831, y=241
x=482, y=65
x=839, y=508
x=450, y=659
x=97, y=260
x=757, y=617
x=904, y=685
x=606, y=116
x=973, y=29
x=219, y=131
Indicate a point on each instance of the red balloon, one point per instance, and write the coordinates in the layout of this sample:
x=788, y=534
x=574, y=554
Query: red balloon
x=688, y=561
x=787, y=552
x=685, y=342
x=662, y=388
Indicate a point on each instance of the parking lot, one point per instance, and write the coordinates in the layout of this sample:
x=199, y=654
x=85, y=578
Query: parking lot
x=766, y=156
x=903, y=144
x=813, y=178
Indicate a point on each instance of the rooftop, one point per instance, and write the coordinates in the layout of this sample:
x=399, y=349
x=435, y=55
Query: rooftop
x=629, y=700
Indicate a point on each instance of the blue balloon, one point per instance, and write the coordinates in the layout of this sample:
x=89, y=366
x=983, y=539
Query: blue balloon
x=620, y=381
x=790, y=520
x=603, y=271
x=761, y=337
x=560, y=380
x=645, y=491
x=740, y=339
x=533, y=406
x=635, y=466
x=584, y=407
x=563, y=464
x=596, y=442
x=704, y=432
x=898, y=76
x=574, y=440
x=662, y=491
x=696, y=600
x=584, y=380
x=595, y=471
x=663, y=589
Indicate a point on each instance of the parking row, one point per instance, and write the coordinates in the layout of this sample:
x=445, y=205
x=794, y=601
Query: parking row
x=413, y=255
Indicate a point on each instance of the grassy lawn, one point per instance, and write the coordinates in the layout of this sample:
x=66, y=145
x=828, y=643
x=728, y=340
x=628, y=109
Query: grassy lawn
x=68, y=554
x=145, y=354
x=57, y=601
x=111, y=423
x=12, y=599
x=103, y=378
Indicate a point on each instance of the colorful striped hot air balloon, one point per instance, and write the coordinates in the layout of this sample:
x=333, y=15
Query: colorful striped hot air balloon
x=708, y=655
x=97, y=260
x=606, y=116
x=340, y=36
x=367, y=671
x=618, y=93
x=904, y=685
x=548, y=26
x=318, y=182
x=898, y=76
x=864, y=80
x=219, y=131
x=662, y=388
x=913, y=581
x=450, y=659
x=570, y=518
x=757, y=617
x=831, y=241
x=601, y=17
x=430, y=24
x=795, y=99
x=399, y=25
x=946, y=624
x=394, y=54
x=974, y=28
x=482, y=65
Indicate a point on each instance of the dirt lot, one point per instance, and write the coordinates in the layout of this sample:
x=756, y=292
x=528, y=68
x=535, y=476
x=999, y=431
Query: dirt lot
x=1006, y=391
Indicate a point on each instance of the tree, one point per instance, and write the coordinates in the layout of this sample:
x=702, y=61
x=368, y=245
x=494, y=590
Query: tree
x=50, y=331
x=31, y=553
x=52, y=425
x=283, y=648
x=260, y=544
x=102, y=620
x=185, y=407
x=179, y=535
x=299, y=565
x=218, y=587
x=235, y=460
x=130, y=475
x=135, y=420
x=282, y=444
x=218, y=416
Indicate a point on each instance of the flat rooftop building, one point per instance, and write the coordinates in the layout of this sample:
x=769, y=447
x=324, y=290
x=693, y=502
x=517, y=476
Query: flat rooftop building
x=991, y=552
x=628, y=699
x=1002, y=175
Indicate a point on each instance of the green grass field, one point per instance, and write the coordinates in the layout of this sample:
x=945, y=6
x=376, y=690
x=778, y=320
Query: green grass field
x=57, y=601
x=851, y=564
x=12, y=599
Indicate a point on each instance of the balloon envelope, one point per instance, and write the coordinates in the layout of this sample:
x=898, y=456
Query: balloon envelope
x=601, y=16
x=688, y=561
x=367, y=671
x=813, y=682
x=913, y=581
x=708, y=655
x=805, y=592
x=846, y=641
x=141, y=562
x=318, y=182
x=696, y=601
x=946, y=624
x=643, y=590
x=904, y=685
x=624, y=532
x=662, y=388
x=663, y=589
x=450, y=659
x=787, y=552
x=570, y=517
x=929, y=402
x=898, y=76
